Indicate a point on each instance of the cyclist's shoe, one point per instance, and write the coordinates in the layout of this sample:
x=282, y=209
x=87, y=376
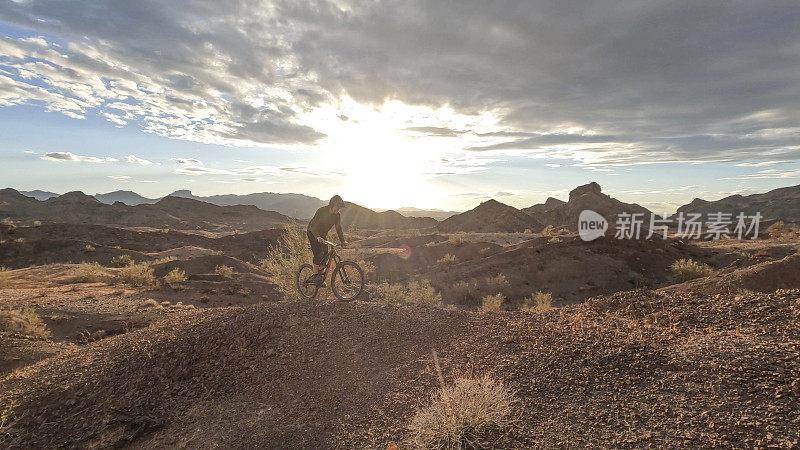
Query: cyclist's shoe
x=313, y=278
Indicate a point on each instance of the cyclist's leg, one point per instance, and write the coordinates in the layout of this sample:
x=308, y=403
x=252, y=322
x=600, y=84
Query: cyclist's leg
x=319, y=253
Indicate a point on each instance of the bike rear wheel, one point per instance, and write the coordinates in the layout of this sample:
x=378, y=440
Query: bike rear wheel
x=307, y=290
x=347, y=281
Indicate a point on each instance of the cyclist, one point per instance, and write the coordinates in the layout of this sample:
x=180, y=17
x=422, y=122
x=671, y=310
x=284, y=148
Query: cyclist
x=324, y=219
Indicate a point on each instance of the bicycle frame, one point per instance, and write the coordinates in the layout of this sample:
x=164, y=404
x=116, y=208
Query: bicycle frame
x=332, y=256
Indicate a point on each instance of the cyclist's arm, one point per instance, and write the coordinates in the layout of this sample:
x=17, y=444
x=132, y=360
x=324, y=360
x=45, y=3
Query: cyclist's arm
x=339, y=229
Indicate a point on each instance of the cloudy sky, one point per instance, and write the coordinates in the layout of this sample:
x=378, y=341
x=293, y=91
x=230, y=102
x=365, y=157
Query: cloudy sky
x=396, y=103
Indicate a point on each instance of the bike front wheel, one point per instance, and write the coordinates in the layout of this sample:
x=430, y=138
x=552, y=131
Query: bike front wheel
x=347, y=281
x=308, y=290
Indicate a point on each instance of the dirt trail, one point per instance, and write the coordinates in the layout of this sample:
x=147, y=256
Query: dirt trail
x=637, y=368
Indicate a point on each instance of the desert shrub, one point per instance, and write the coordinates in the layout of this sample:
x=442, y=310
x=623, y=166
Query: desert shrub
x=5, y=277
x=224, y=271
x=121, y=260
x=492, y=302
x=418, y=292
x=781, y=229
x=469, y=413
x=89, y=273
x=687, y=269
x=554, y=240
x=496, y=284
x=175, y=276
x=540, y=301
x=19, y=240
x=464, y=291
x=163, y=260
x=447, y=260
x=283, y=260
x=37, y=223
x=150, y=303
x=89, y=248
x=457, y=238
x=548, y=231
x=638, y=280
x=136, y=275
x=22, y=320
x=7, y=221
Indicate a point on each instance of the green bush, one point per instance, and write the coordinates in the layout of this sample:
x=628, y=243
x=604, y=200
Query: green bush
x=687, y=269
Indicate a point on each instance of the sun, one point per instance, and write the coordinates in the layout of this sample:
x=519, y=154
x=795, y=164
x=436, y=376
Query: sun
x=381, y=162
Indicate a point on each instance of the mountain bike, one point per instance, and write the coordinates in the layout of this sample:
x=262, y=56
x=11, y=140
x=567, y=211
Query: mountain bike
x=347, y=280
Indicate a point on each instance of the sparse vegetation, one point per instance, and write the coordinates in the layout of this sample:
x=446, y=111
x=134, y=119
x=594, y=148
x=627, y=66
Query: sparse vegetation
x=687, y=269
x=163, y=260
x=447, y=261
x=7, y=221
x=5, y=277
x=554, y=240
x=464, y=291
x=121, y=260
x=638, y=280
x=22, y=320
x=89, y=248
x=136, y=275
x=37, y=223
x=284, y=259
x=457, y=238
x=418, y=292
x=175, y=276
x=469, y=413
x=224, y=271
x=781, y=229
x=89, y=273
x=540, y=301
x=492, y=302
x=497, y=284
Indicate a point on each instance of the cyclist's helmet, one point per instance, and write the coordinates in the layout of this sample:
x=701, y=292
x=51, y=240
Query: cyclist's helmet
x=337, y=201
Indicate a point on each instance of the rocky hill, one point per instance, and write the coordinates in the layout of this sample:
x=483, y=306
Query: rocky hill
x=358, y=217
x=549, y=205
x=588, y=196
x=778, y=204
x=129, y=198
x=169, y=212
x=293, y=205
x=491, y=216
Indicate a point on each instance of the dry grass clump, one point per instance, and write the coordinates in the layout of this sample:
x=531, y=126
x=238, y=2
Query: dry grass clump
x=7, y=221
x=688, y=269
x=492, y=302
x=285, y=259
x=136, y=275
x=469, y=413
x=224, y=271
x=781, y=229
x=553, y=231
x=175, y=276
x=464, y=291
x=5, y=277
x=22, y=320
x=89, y=248
x=89, y=273
x=540, y=301
x=37, y=223
x=121, y=260
x=163, y=260
x=457, y=238
x=418, y=292
x=497, y=283
x=447, y=261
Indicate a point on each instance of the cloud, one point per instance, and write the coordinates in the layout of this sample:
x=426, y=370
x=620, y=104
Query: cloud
x=188, y=161
x=69, y=156
x=135, y=160
x=632, y=82
x=124, y=178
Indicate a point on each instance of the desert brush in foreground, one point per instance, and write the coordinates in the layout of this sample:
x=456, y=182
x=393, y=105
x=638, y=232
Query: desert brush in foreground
x=417, y=292
x=286, y=257
x=469, y=413
x=22, y=320
x=136, y=275
x=540, y=301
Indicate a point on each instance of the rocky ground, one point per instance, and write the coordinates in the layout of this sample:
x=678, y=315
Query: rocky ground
x=222, y=361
